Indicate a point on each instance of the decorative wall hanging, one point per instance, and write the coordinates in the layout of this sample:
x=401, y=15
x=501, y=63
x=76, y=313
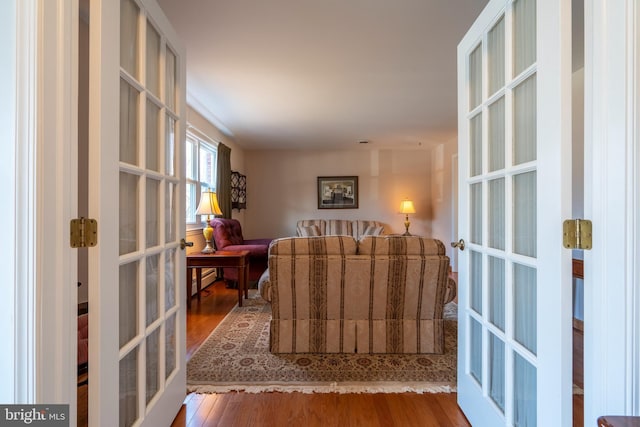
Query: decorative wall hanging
x=238, y=190
x=337, y=192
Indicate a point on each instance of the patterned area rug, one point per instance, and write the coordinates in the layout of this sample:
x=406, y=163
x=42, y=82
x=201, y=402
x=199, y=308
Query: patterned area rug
x=236, y=357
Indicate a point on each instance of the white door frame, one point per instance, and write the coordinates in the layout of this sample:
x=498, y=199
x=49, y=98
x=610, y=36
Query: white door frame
x=43, y=190
x=17, y=128
x=612, y=197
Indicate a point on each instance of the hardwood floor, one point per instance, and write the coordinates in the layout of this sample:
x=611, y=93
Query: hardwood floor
x=282, y=409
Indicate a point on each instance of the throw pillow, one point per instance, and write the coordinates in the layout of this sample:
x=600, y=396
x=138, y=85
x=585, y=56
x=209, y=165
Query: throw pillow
x=372, y=230
x=309, y=231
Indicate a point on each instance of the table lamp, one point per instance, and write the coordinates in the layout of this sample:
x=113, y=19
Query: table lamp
x=208, y=206
x=406, y=207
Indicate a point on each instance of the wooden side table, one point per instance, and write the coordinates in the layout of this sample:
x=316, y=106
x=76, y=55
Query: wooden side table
x=218, y=259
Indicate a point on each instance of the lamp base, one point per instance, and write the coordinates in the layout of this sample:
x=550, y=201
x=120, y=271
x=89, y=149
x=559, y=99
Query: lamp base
x=406, y=226
x=207, y=232
x=208, y=249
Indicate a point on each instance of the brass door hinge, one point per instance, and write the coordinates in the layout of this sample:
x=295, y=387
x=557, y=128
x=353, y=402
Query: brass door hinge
x=576, y=234
x=84, y=233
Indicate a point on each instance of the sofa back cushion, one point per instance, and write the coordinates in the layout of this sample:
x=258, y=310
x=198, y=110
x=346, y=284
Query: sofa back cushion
x=226, y=232
x=339, y=227
x=309, y=231
x=320, y=246
x=360, y=228
x=320, y=223
x=399, y=245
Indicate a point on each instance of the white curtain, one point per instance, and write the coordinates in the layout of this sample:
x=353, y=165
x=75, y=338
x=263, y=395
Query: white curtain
x=495, y=47
x=524, y=121
x=475, y=77
x=129, y=37
x=153, y=140
x=496, y=370
x=524, y=35
x=496, y=135
x=153, y=60
x=496, y=213
x=524, y=390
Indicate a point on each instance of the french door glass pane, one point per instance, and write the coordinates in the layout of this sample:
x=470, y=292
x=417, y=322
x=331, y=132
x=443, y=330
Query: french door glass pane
x=476, y=350
x=128, y=123
x=495, y=47
x=208, y=165
x=192, y=159
x=475, y=77
x=524, y=214
x=476, y=213
x=153, y=60
x=152, y=288
x=129, y=12
x=496, y=370
x=153, y=363
x=170, y=279
x=525, y=306
x=170, y=144
x=128, y=212
x=170, y=77
x=170, y=212
x=153, y=212
x=524, y=391
x=476, y=145
x=191, y=203
x=170, y=345
x=153, y=137
x=524, y=35
x=496, y=213
x=475, y=278
x=524, y=121
x=496, y=135
x=496, y=292
x=128, y=302
x=129, y=388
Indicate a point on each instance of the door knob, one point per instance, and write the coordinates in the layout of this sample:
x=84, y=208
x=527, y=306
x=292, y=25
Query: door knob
x=184, y=244
x=459, y=244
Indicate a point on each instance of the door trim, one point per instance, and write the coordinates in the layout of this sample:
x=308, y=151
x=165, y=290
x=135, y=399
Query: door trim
x=612, y=299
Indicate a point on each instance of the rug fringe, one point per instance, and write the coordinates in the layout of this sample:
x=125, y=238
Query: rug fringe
x=418, y=388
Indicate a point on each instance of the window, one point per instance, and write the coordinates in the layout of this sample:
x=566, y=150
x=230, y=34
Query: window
x=202, y=161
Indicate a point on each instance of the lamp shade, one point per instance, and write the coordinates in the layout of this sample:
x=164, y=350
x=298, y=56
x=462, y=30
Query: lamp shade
x=406, y=207
x=208, y=204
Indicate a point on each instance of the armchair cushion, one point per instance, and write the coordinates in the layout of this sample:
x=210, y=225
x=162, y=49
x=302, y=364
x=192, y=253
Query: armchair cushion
x=227, y=236
x=226, y=232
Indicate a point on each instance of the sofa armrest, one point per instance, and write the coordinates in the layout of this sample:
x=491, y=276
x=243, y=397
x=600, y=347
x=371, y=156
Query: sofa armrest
x=450, y=291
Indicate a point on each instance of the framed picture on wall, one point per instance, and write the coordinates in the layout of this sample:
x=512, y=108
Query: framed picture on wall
x=337, y=192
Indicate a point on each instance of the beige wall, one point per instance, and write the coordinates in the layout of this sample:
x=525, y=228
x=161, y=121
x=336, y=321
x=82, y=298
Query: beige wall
x=281, y=185
x=281, y=189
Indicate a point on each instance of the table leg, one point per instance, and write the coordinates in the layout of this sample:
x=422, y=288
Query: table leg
x=198, y=282
x=241, y=283
x=189, y=279
x=246, y=279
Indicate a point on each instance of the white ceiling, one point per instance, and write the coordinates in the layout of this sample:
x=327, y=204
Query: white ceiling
x=324, y=74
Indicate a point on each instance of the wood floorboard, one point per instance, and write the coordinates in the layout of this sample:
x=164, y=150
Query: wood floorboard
x=321, y=410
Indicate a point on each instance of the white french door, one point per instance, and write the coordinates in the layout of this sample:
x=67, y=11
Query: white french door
x=137, y=130
x=514, y=115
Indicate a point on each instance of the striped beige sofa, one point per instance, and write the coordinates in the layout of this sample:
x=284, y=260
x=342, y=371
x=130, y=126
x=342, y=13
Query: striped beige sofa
x=379, y=294
x=338, y=227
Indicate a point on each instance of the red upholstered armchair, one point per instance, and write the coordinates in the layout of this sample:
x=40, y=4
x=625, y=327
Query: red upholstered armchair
x=227, y=235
